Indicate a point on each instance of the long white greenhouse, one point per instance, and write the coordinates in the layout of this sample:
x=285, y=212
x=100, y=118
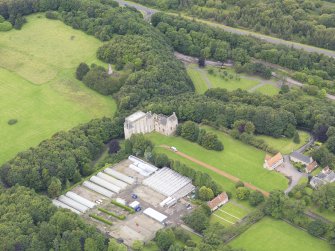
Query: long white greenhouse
x=112, y=180
x=98, y=189
x=169, y=183
x=105, y=184
x=119, y=176
x=80, y=199
x=57, y=203
x=143, y=167
x=72, y=203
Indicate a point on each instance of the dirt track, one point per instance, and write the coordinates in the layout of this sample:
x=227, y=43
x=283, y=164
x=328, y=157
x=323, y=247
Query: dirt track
x=218, y=171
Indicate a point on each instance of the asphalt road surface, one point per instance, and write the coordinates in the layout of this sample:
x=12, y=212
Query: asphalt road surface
x=149, y=11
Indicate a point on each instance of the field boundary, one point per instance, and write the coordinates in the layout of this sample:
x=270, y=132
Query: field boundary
x=217, y=170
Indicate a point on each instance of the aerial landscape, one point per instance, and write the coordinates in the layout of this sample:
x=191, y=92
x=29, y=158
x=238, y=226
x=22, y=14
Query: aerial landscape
x=167, y=125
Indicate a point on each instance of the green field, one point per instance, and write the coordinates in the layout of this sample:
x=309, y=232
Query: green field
x=268, y=89
x=285, y=145
x=229, y=214
x=37, y=83
x=203, y=80
x=238, y=159
x=276, y=235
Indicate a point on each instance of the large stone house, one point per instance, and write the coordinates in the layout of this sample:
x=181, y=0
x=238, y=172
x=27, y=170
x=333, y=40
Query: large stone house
x=140, y=122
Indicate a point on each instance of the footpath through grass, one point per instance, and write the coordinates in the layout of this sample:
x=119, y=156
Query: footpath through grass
x=38, y=85
x=277, y=235
x=241, y=160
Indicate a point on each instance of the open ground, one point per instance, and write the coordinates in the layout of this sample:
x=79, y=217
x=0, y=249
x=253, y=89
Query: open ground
x=277, y=235
x=38, y=85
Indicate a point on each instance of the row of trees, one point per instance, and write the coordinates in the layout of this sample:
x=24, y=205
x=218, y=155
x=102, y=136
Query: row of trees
x=305, y=21
x=191, y=131
x=201, y=40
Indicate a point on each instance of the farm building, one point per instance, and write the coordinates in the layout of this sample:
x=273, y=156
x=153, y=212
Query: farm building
x=101, y=182
x=169, y=183
x=272, y=163
x=155, y=215
x=80, y=199
x=119, y=176
x=301, y=158
x=57, y=203
x=72, y=203
x=218, y=201
x=98, y=189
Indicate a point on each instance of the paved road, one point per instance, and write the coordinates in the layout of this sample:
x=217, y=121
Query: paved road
x=149, y=11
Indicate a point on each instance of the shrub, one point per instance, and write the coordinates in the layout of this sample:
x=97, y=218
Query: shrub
x=255, y=198
x=12, y=121
x=51, y=15
x=242, y=193
x=239, y=184
x=5, y=26
x=120, y=217
x=129, y=209
x=99, y=218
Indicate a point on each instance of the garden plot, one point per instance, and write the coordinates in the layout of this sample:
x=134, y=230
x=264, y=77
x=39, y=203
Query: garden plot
x=229, y=214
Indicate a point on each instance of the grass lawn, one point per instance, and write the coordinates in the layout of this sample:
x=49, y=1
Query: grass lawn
x=197, y=79
x=268, y=89
x=238, y=159
x=229, y=214
x=218, y=81
x=276, y=235
x=37, y=83
x=285, y=145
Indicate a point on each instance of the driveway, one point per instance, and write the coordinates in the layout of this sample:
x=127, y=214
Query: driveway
x=291, y=173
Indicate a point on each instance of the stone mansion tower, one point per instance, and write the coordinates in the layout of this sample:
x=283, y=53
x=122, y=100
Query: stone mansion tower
x=140, y=122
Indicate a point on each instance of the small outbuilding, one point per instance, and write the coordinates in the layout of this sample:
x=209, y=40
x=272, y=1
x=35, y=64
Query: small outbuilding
x=218, y=201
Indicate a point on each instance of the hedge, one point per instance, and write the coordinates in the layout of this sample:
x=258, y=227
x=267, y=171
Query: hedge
x=97, y=217
x=120, y=217
x=129, y=209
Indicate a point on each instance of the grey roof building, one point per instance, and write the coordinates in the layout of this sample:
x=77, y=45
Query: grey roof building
x=300, y=158
x=324, y=177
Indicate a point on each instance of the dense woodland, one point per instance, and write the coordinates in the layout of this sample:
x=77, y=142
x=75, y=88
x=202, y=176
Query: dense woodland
x=305, y=21
x=200, y=40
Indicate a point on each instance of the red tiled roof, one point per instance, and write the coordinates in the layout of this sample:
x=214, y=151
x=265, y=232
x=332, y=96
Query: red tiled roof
x=310, y=167
x=217, y=200
x=273, y=160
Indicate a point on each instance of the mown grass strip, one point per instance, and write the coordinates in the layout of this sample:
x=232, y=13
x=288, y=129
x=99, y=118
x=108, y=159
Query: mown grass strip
x=120, y=217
